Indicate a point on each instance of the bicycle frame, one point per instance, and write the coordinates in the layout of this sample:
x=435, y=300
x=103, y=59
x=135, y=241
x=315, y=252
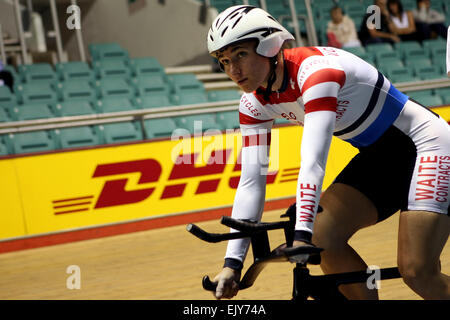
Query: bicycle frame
x=318, y=287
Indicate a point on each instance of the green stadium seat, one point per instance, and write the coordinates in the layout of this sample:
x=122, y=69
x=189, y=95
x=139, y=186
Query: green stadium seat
x=409, y=54
x=358, y=51
x=37, y=72
x=4, y=116
x=438, y=51
x=77, y=137
x=122, y=132
x=153, y=101
x=187, y=98
x=427, y=73
x=420, y=95
x=378, y=47
x=151, y=85
x=76, y=90
x=403, y=46
x=74, y=70
x=111, y=69
x=36, y=92
x=181, y=79
x=223, y=95
x=445, y=96
x=146, y=67
x=430, y=101
x=442, y=91
x=198, y=122
x=156, y=128
x=399, y=75
x=74, y=108
x=433, y=43
x=114, y=88
x=119, y=104
x=32, y=112
x=228, y=119
x=386, y=55
x=354, y=8
x=3, y=148
x=107, y=51
x=27, y=142
x=385, y=66
x=411, y=63
x=7, y=98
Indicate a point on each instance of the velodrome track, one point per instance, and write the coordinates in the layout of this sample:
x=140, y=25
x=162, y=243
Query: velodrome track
x=168, y=264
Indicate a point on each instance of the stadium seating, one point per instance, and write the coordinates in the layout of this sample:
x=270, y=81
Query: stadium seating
x=74, y=108
x=74, y=70
x=115, y=105
x=223, y=95
x=153, y=101
x=3, y=148
x=228, y=119
x=4, y=116
x=114, y=87
x=36, y=92
x=32, y=111
x=76, y=89
x=111, y=69
x=156, y=128
x=151, y=85
x=77, y=137
x=146, y=66
x=197, y=123
x=26, y=142
x=122, y=132
x=7, y=98
x=37, y=72
x=107, y=51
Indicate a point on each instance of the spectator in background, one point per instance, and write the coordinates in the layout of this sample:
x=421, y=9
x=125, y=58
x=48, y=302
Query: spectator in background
x=403, y=21
x=428, y=20
x=6, y=78
x=341, y=31
x=384, y=32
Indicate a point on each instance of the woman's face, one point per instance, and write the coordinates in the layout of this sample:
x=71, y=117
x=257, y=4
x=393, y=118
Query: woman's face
x=393, y=7
x=336, y=16
x=244, y=66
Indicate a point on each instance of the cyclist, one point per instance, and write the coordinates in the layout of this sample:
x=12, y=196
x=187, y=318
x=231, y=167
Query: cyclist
x=403, y=163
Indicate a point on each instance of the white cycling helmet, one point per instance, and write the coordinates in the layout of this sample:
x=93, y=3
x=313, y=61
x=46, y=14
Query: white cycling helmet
x=243, y=22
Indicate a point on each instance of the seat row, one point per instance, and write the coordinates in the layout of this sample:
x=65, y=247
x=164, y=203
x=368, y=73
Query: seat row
x=112, y=133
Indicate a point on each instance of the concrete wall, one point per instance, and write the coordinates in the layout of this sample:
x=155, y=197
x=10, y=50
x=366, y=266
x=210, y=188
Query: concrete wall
x=171, y=32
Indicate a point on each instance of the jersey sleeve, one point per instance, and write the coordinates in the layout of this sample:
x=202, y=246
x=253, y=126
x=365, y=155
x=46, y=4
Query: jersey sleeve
x=319, y=80
x=251, y=191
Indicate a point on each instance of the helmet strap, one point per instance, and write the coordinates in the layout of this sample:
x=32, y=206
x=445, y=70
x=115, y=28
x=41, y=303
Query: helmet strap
x=272, y=77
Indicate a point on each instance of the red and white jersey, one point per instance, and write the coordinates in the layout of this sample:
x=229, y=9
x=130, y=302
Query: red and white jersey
x=329, y=92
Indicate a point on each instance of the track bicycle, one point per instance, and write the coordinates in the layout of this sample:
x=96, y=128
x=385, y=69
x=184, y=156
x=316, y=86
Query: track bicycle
x=305, y=285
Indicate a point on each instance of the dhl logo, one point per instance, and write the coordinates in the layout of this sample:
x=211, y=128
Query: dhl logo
x=115, y=193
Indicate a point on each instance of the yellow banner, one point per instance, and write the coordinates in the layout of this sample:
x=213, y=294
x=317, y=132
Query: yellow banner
x=75, y=189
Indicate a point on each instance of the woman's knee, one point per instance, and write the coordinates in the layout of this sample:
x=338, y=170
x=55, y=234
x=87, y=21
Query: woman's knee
x=415, y=273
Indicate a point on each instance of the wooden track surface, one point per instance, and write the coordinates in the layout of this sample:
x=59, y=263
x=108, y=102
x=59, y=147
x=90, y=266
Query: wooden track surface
x=169, y=263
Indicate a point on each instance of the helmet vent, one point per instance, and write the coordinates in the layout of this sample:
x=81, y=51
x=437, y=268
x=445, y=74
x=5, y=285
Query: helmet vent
x=223, y=32
x=236, y=22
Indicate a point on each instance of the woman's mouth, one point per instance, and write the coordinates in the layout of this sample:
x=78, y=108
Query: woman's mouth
x=242, y=81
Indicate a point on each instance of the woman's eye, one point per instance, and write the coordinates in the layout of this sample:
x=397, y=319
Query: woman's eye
x=224, y=62
x=242, y=54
